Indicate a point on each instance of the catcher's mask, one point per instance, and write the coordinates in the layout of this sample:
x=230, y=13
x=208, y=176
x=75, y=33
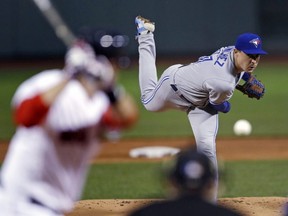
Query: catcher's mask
x=192, y=170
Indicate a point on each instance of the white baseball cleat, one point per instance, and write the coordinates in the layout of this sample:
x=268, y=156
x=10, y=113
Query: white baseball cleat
x=144, y=26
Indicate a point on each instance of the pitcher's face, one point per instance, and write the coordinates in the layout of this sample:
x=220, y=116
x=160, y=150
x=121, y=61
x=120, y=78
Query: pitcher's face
x=245, y=62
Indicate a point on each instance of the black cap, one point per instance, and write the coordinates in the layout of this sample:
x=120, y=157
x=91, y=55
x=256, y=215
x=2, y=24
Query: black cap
x=192, y=170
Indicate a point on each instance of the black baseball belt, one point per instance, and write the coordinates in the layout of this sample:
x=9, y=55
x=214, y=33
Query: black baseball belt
x=173, y=86
x=192, y=107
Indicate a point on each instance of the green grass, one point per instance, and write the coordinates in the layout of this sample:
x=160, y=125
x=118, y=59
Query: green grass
x=124, y=180
x=256, y=178
x=267, y=115
x=144, y=180
x=9, y=81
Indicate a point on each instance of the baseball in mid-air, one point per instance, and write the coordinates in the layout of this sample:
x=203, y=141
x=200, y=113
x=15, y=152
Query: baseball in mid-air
x=242, y=127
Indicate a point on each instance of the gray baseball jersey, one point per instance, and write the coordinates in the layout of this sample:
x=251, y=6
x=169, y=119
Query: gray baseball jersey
x=210, y=79
x=190, y=88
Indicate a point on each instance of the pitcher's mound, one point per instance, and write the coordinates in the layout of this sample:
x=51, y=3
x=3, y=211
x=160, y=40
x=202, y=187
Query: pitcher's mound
x=249, y=206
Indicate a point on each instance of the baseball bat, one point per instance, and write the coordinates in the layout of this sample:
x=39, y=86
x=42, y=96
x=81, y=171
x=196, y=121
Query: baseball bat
x=55, y=20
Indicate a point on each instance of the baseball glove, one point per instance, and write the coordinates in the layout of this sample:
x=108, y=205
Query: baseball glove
x=253, y=88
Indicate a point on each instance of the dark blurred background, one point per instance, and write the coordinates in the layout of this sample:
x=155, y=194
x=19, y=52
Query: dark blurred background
x=183, y=27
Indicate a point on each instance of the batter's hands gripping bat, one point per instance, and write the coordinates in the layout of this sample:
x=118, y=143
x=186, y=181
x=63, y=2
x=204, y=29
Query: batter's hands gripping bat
x=56, y=21
x=66, y=35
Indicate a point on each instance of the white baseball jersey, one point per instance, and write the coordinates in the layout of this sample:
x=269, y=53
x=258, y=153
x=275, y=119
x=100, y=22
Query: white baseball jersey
x=48, y=162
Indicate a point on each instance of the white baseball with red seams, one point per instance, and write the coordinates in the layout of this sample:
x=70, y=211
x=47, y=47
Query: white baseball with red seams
x=242, y=127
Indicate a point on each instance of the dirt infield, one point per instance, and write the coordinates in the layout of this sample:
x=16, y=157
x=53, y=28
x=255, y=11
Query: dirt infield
x=249, y=206
x=228, y=149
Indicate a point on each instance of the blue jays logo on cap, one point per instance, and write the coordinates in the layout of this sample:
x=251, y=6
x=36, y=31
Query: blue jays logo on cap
x=250, y=44
x=256, y=42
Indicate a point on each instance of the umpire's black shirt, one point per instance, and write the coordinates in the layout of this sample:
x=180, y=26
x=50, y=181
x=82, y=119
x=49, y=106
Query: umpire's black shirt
x=184, y=206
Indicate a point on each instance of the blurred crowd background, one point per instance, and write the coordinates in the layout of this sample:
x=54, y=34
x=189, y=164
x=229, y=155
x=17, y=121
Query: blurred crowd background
x=183, y=27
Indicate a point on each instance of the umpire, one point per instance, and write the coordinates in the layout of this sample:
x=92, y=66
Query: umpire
x=192, y=176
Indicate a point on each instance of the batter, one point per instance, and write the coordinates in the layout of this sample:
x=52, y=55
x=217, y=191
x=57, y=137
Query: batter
x=60, y=116
x=202, y=89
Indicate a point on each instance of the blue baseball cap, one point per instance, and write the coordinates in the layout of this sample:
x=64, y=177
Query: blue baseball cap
x=250, y=44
